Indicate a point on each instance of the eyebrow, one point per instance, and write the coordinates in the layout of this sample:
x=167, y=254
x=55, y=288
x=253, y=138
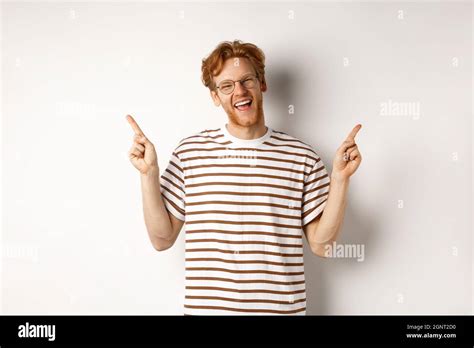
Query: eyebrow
x=243, y=76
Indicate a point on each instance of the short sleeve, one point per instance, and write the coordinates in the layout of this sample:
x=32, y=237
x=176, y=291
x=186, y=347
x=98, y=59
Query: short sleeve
x=315, y=192
x=172, y=187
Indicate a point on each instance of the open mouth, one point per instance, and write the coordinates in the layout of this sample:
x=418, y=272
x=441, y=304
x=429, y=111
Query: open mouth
x=243, y=105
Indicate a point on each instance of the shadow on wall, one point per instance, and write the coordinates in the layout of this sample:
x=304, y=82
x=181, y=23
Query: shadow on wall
x=356, y=229
x=281, y=93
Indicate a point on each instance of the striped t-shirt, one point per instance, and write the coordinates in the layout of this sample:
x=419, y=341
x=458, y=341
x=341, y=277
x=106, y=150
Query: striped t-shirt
x=244, y=203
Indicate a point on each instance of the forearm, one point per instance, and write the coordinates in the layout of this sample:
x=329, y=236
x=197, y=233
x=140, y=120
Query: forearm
x=156, y=216
x=328, y=228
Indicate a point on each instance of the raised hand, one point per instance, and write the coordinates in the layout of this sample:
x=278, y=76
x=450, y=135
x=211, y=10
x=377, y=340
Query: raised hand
x=348, y=157
x=142, y=154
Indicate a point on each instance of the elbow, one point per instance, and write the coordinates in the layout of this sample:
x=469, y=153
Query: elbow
x=161, y=244
x=319, y=250
x=324, y=249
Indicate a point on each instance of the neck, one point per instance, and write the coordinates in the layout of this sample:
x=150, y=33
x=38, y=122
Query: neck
x=254, y=131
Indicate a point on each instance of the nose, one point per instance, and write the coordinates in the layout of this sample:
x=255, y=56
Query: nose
x=239, y=88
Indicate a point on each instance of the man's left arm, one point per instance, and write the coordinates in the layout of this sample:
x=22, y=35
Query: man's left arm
x=325, y=229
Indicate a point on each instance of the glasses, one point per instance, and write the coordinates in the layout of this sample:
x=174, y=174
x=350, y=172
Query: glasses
x=227, y=86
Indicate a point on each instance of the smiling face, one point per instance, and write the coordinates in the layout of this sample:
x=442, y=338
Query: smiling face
x=247, y=115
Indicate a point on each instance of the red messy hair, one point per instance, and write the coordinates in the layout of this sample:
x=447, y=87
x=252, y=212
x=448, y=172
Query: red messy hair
x=212, y=65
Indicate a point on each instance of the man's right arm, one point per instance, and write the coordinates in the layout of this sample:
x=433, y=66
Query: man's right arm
x=163, y=228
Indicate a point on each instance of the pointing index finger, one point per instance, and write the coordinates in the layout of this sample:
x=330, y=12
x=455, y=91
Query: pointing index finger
x=134, y=125
x=353, y=132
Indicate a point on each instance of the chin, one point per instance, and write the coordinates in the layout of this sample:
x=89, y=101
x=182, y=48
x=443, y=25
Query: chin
x=244, y=120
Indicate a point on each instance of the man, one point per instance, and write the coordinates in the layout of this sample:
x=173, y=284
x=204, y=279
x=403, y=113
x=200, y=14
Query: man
x=246, y=193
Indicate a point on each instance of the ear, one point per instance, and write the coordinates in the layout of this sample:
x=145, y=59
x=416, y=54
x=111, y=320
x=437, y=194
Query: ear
x=215, y=98
x=263, y=85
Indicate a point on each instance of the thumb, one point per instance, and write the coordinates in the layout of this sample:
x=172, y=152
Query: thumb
x=141, y=139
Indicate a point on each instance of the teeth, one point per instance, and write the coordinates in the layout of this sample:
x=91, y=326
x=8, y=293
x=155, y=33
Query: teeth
x=242, y=102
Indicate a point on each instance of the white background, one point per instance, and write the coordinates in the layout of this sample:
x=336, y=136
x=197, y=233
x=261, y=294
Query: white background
x=73, y=235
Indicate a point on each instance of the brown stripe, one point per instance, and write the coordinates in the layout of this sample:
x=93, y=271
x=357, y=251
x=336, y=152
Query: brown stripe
x=280, y=132
x=167, y=170
x=315, y=198
x=178, y=167
x=203, y=142
x=211, y=130
x=181, y=211
x=242, y=271
x=171, y=192
x=289, y=145
x=276, y=159
x=245, y=203
x=317, y=179
x=316, y=170
x=309, y=211
x=244, y=300
x=248, y=310
x=244, y=213
x=246, y=281
x=246, y=232
x=259, y=223
x=172, y=183
x=281, y=169
x=291, y=139
x=251, y=184
x=205, y=136
x=223, y=241
x=201, y=149
x=258, y=252
x=287, y=264
x=259, y=194
x=278, y=151
x=247, y=291
x=316, y=159
x=315, y=189
x=245, y=175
